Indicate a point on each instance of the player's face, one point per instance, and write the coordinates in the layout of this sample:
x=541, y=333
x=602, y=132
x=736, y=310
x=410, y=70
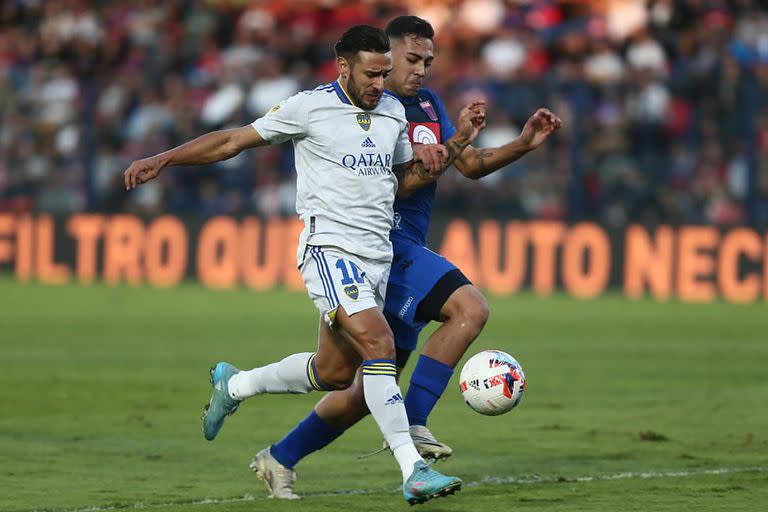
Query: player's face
x=367, y=72
x=411, y=57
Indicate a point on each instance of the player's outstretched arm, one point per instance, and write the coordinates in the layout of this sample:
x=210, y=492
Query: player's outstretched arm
x=211, y=147
x=475, y=163
x=431, y=160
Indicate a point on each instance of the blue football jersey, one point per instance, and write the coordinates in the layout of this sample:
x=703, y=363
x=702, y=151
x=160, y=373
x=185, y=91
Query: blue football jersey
x=429, y=124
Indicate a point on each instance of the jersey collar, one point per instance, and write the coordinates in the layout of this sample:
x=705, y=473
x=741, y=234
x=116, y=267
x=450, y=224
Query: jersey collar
x=342, y=94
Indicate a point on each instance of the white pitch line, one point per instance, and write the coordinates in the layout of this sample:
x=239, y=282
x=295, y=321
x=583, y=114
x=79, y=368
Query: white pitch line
x=487, y=480
x=491, y=480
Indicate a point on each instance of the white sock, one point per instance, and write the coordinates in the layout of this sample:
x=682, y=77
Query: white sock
x=406, y=455
x=287, y=376
x=385, y=401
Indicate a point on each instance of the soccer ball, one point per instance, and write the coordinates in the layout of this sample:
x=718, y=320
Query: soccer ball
x=492, y=382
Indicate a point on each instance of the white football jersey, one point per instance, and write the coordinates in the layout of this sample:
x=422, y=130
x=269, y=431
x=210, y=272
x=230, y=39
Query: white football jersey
x=344, y=159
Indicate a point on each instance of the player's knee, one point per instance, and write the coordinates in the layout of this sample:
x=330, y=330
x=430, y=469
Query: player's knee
x=476, y=313
x=470, y=312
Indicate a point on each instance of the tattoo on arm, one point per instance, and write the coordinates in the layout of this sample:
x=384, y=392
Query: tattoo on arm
x=454, y=150
x=481, y=156
x=418, y=168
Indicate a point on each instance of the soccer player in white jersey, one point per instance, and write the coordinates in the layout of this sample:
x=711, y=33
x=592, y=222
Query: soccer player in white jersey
x=423, y=286
x=352, y=156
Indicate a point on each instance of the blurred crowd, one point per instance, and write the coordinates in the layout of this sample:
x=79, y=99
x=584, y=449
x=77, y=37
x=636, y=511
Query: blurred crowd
x=664, y=102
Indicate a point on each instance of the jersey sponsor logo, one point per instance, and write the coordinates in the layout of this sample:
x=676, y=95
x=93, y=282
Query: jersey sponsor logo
x=352, y=291
x=424, y=133
x=364, y=120
x=368, y=143
x=368, y=164
x=427, y=107
x=397, y=220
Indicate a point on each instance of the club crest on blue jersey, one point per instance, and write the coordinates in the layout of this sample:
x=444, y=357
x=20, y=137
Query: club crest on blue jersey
x=427, y=107
x=364, y=120
x=352, y=291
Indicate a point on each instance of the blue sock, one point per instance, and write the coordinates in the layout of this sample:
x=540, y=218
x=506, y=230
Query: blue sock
x=310, y=435
x=429, y=380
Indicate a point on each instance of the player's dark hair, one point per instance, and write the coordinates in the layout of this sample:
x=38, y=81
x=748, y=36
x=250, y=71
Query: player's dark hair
x=410, y=26
x=361, y=38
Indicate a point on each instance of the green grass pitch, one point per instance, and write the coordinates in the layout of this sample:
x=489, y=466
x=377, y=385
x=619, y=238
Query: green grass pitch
x=631, y=405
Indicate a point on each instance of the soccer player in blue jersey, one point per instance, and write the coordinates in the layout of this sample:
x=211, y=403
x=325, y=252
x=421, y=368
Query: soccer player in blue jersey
x=423, y=286
x=353, y=154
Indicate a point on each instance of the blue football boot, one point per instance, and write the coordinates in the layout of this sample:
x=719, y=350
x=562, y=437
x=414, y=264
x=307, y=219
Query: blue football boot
x=221, y=404
x=425, y=483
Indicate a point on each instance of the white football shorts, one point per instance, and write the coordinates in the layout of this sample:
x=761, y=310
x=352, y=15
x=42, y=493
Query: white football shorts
x=334, y=278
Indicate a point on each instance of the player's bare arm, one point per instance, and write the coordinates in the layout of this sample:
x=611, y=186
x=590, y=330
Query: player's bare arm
x=471, y=121
x=211, y=147
x=431, y=157
x=432, y=160
x=475, y=163
x=414, y=174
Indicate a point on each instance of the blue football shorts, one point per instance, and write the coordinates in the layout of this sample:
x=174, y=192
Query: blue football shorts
x=420, y=282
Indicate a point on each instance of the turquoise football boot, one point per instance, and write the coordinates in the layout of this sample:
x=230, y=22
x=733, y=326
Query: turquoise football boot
x=221, y=404
x=425, y=483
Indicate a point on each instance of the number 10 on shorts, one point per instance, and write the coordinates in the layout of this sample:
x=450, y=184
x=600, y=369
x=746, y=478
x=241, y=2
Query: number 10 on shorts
x=350, y=273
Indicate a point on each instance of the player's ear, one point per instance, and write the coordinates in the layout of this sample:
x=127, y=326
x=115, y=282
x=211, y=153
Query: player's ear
x=344, y=67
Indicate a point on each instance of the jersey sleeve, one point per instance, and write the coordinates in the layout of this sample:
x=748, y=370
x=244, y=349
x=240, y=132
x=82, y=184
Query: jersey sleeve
x=446, y=127
x=403, y=148
x=287, y=120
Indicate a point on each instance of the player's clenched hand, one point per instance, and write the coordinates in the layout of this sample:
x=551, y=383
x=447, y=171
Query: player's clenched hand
x=538, y=127
x=471, y=120
x=141, y=171
x=431, y=157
